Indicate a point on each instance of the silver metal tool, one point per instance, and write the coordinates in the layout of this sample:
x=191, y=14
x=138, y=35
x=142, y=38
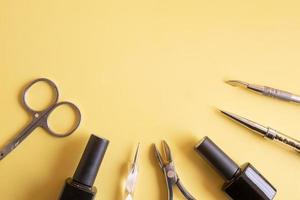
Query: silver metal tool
x=132, y=176
x=267, y=91
x=266, y=132
x=171, y=176
x=40, y=117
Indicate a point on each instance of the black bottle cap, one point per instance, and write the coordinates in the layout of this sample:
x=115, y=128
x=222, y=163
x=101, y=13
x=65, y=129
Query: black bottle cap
x=217, y=158
x=90, y=162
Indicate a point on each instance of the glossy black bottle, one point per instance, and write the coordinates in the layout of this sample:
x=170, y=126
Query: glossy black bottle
x=80, y=187
x=242, y=183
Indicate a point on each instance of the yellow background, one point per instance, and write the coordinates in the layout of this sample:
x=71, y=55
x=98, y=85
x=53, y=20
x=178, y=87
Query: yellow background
x=142, y=71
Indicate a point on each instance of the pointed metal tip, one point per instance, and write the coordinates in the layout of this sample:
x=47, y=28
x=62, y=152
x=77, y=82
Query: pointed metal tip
x=137, y=154
x=167, y=151
x=254, y=126
x=233, y=116
x=230, y=115
x=138, y=147
x=237, y=83
x=220, y=110
x=164, y=143
x=158, y=156
x=225, y=112
x=154, y=148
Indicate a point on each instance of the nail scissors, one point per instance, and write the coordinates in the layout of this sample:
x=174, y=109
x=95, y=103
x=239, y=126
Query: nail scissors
x=170, y=173
x=40, y=117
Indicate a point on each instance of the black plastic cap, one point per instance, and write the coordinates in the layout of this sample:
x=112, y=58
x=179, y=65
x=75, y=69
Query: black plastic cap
x=90, y=162
x=217, y=158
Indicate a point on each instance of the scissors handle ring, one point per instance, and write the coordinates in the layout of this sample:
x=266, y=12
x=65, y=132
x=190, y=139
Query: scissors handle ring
x=26, y=89
x=44, y=124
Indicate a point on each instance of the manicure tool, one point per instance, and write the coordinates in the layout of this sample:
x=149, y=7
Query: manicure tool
x=40, y=117
x=266, y=132
x=267, y=91
x=132, y=176
x=170, y=173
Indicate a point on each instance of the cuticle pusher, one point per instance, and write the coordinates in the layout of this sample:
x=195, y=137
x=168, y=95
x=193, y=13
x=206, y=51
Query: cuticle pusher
x=266, y=91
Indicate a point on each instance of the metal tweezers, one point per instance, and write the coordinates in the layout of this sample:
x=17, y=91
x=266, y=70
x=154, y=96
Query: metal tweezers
x=170, y=173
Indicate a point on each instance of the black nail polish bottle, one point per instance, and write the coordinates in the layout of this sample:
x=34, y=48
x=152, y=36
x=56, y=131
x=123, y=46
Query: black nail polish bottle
x=80, y=187
x=244, y=183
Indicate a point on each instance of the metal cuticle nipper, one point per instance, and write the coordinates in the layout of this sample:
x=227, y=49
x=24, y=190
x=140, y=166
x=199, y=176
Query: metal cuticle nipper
x=267, y=91
x=171, y=176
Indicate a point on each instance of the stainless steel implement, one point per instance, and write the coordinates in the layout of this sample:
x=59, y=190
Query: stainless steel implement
x=40, y=118
x=171, y=176
x=132, y=176
x=266, y=132
x=267, y=91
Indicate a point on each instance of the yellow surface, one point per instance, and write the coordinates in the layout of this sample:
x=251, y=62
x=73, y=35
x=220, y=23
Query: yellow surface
x=146, y=71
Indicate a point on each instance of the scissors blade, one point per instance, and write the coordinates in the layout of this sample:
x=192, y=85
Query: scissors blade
x=17, y=140
x=6, y=150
